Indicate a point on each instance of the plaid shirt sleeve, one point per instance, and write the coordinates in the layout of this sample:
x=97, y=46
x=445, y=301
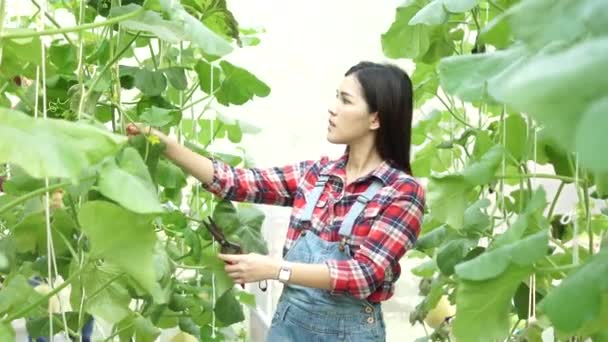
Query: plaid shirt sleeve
x=275, y=185
x=392, y=233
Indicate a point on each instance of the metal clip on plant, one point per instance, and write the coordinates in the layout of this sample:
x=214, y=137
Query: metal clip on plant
x=228, y=247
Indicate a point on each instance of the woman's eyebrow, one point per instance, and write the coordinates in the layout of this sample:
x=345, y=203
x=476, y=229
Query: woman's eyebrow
x=343, y=93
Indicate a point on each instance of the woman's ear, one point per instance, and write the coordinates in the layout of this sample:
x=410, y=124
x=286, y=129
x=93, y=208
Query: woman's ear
x=374, y=121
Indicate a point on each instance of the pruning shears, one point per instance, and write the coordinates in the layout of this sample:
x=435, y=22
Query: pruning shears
x=226, y=246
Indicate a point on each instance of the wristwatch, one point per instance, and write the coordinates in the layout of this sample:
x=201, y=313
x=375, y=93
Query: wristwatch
x=285, y=272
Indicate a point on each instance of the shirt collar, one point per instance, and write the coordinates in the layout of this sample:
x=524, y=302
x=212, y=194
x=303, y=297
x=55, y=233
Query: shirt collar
x=384, y=172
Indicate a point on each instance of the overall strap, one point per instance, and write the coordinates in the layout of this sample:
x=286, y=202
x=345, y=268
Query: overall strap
x=314, y=196
x=349, y=220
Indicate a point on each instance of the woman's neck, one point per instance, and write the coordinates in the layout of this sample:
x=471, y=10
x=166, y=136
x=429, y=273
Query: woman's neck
x=363, y=158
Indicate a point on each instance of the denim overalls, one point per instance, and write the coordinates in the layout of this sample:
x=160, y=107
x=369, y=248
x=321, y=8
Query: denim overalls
x=314, y=315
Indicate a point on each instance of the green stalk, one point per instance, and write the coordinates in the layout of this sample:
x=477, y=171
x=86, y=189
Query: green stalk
x=554, y=202
x=78, y=28
x=538, y=175
x=109, y=64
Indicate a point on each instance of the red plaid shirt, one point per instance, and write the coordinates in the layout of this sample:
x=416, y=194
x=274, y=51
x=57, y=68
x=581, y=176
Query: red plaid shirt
x=387, y=228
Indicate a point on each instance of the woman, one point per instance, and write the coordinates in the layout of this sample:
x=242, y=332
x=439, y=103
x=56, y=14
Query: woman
x=353, y=218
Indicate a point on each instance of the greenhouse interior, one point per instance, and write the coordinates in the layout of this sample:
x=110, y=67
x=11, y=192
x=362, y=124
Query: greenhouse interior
x=338, y=170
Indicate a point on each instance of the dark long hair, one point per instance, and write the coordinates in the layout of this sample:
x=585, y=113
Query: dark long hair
x=388, y=90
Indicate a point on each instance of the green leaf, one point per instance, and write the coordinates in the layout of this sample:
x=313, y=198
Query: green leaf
x=16, y=294
x=590, y=139
x=30, y=235
x=128, y=242
x=445, y=199
x=239, y=85
x=542, y=89
x=426, y=269
x=228, y=309
x=149, y=21
x=140, y=327
x=194, y=30
x=204, y=70
x=475, y=221
x=445, y=193
x=432, y=14
x=111, y=299
x=493, y=263
x=516, y=140
x=176, y=77
x=403, y=40
x=129, y=183
x=557, y=23
x=426, y=82
x=585, y=292
x=151, y=83
x=169, y=175
x=247, y=299
x=244, y=225
x=7, y=333
x=488, y=302
x=470, y=76
x=521, y=300
x=450, y=254
x=155, y=116
x=460, y=6
x=53, y=148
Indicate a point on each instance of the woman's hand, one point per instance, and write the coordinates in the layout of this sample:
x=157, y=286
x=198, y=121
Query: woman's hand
x=249, y=268
x=134, y=129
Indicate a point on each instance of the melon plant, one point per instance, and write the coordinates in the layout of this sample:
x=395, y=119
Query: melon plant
x=513, y=94
x=101, y=226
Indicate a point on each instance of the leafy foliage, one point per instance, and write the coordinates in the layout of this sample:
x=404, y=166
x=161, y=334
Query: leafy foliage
x=119, y=239
x=503, y=73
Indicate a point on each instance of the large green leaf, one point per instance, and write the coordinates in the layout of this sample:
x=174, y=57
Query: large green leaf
x=138, y=329
x=488, y=302
x=30, y=235
x=7, y=333
x=450, y=254
x=53, y=148
x=181, y=26
x=151, y=83
x=403, y=40
x=128, y=182
x=542, y=89
x=432, y=14
x=493, y=263
x=585, y=294
x=470, y=76
x=228, y=309
x=564, y=21
x=590, y=139
x=111, y=298
x=126, y=241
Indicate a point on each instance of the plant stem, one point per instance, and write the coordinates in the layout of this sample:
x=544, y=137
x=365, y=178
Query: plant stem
x=112, y=21
x=588, y=217
x=555, y=198
x=2, y=13
x=110, y=63
x=537, y=175
x=454, y=114
x=153, y=56
x=35, y=193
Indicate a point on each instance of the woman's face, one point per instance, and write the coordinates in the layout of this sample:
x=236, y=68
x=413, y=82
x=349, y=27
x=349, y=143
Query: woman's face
x=349, y=117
